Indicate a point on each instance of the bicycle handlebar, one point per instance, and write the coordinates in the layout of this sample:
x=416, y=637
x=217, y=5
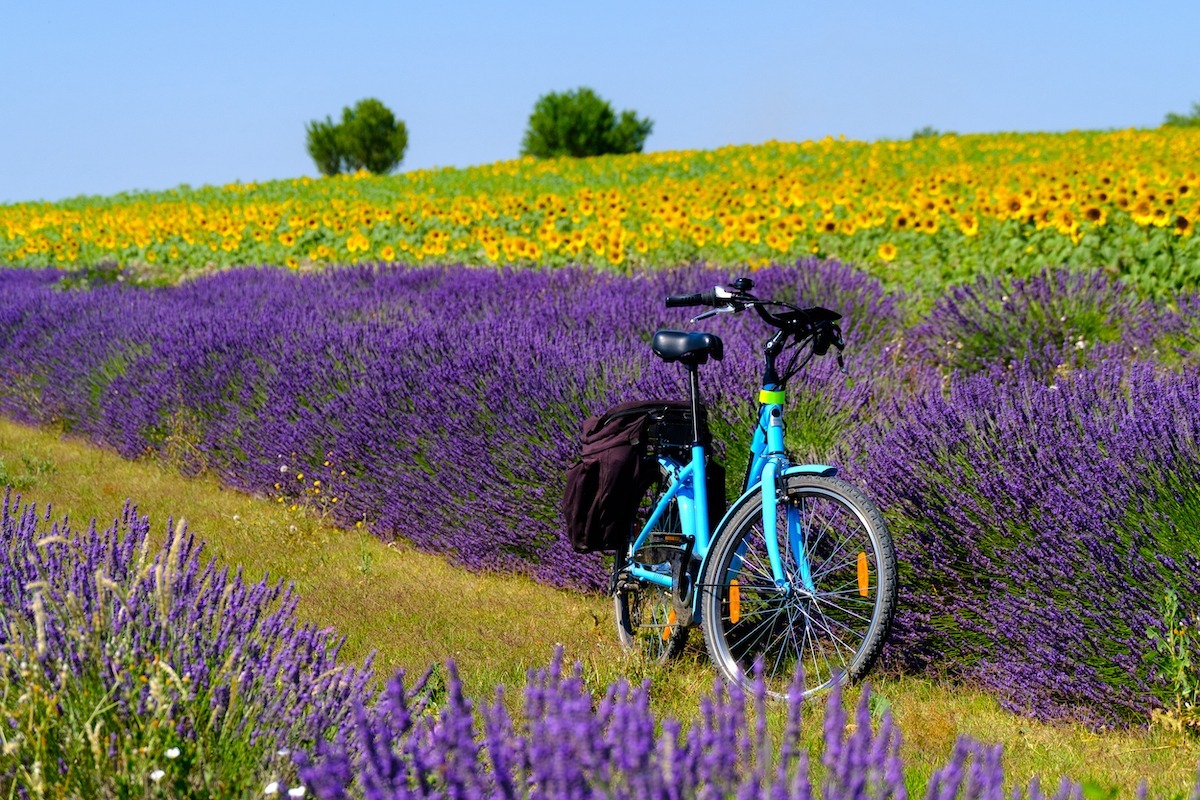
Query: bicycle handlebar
x=795, y=319
x=816, y=324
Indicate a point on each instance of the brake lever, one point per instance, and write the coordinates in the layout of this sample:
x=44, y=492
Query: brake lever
x=713, y=312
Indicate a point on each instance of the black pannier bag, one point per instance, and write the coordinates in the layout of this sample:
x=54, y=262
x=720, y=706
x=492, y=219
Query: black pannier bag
x=617, y=468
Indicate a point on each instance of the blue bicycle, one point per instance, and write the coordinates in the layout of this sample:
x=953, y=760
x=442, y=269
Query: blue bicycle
x=799, y=572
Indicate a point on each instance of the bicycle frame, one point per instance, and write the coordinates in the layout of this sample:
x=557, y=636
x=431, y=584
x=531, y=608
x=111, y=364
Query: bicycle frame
x=768, y=464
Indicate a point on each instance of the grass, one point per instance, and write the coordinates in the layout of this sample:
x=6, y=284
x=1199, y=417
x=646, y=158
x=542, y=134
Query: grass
x=412, y=609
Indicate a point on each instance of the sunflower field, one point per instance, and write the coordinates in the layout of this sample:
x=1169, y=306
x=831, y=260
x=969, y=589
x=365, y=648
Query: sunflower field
x=919, y=212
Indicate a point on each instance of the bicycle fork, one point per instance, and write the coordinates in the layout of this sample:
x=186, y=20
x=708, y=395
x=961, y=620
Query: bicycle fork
x=773, y=466
x=771, y=486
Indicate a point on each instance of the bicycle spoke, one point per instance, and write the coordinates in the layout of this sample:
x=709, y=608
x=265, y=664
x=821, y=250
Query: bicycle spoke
x=824, y=654
x=788, y=633
x=827, y=626
x=816, y=669
x=826, y=570
x=851, y=594
x=851, y=613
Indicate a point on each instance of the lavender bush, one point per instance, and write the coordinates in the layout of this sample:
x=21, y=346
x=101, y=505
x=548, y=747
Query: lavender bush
x=124, y=665
x=580, y=746
x=1038, y=490
x=1054, y=319
x=1038, y=525
x=572, y=744
x=422, y=401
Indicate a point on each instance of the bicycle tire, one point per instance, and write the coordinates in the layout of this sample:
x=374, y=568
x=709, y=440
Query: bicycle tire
x=645, y=615
x=828, y=633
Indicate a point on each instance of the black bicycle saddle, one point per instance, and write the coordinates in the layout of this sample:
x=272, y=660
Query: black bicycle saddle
x=687, y=348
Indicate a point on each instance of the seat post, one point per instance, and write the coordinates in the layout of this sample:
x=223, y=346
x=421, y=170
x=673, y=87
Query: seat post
x=694, y=390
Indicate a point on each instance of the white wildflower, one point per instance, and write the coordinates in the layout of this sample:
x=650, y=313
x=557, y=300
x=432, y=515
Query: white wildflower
x=272, y=788
x=283, y=753
x=299, y=791
x=283, y=468
x=157, y=775
x=173, y=753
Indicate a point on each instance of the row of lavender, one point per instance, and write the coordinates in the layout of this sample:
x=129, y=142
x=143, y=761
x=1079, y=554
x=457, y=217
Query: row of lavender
x=1033, y=444
x=128, y=670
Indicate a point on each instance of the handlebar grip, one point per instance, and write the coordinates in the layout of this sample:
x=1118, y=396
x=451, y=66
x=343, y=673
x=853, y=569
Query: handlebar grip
x=695, y=299
x=679, y=300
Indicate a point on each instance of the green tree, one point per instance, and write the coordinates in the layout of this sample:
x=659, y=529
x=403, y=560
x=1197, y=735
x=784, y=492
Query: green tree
x=930, y=132
x=580, y=124
x=368, y=137
x=324, y=146
x=1191, y=120
x=372, y=138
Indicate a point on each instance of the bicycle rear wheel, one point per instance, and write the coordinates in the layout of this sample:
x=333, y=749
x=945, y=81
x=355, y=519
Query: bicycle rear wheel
x=647, y=622
x=832, y=628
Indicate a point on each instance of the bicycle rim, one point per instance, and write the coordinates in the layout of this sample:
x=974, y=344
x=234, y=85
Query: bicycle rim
x=831, y=627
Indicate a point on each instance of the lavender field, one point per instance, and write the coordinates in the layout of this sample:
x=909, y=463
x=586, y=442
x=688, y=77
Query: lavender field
x=1033, y=444
x=133, y=670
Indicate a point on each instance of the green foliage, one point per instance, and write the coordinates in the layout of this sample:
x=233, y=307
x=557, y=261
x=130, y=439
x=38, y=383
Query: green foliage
x=930, y=132
x=580, y=123
x=324, y=146
x=368, y=137
x=1095, y=791
x=33, y=469
x=1178, y=655
x=1191, y=120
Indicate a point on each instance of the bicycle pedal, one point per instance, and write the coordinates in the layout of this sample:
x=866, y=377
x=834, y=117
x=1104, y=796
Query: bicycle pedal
x=681, y=599
x=683, y=614
x=627, y=583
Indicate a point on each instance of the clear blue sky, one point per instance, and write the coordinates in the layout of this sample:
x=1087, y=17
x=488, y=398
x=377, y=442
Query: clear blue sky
x=97, y=98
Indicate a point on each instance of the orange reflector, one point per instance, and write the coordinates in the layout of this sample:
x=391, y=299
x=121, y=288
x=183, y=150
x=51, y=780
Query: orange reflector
x=863, y=577
x=735, y=601
x=667, y=628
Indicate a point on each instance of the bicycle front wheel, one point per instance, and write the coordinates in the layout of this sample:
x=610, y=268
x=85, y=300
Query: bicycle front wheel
x=831, y=611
